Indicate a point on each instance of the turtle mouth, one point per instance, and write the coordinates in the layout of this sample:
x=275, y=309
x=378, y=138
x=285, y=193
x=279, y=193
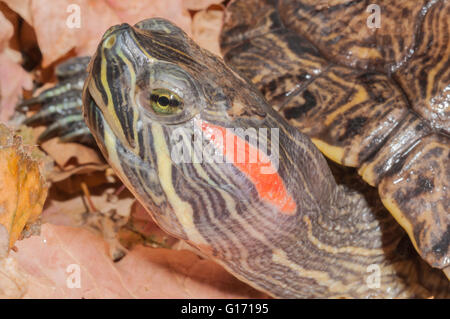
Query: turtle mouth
x=117, y=152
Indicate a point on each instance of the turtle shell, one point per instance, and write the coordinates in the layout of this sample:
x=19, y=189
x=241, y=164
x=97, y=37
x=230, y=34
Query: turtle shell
x=370, y=85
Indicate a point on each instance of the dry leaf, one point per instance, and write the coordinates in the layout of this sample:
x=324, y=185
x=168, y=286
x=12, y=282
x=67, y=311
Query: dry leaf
x=6, y=31
x=143, y=273
x=136, y=10
x=199, y=4
x=70, y=158
x=22, y=188
x=142, y=223
x=12, y=81
x=206, y=26
x=13, y=283
x=4, y=242
x=22, y=7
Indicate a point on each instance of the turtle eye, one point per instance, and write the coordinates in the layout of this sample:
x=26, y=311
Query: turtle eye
x=163, y=101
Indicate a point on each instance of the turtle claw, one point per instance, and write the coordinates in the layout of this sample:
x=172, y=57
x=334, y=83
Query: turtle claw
x=74, y=84
x=61, y=105
x=81, y=135
x=62, y=126
x=72, y=67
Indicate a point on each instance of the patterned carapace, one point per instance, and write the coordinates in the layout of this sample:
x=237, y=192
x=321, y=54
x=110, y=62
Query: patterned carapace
x=373, y=98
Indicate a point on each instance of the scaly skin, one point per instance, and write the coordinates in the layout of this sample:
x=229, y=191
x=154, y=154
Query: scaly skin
x=292, y=232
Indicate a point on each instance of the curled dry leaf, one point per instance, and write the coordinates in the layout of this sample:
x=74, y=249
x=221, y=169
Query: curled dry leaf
x=70, y=155
x=22, y=187
x=46, y=163
x=70, y=158
x=6, y=31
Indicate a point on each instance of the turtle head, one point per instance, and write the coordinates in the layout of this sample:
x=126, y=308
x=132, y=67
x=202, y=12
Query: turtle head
x=150, y=91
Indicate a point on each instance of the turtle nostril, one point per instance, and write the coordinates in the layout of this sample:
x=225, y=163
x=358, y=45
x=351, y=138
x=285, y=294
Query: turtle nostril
x=109, y=41
x=121, y=26
x=109, y=38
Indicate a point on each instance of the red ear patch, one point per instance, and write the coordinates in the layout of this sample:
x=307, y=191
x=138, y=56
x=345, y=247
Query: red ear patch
x=270, y=186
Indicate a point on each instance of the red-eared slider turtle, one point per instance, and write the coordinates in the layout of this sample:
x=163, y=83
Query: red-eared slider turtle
x=373, y=98
x=158, y=106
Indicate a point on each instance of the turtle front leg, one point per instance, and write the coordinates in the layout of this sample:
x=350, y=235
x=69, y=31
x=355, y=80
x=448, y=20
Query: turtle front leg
x=61, y=105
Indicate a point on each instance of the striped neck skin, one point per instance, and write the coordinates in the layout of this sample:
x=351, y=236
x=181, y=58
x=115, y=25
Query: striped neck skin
x=152, y=92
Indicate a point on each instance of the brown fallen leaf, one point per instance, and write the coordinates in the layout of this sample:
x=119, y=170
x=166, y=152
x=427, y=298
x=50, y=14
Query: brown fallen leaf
x=56, y=29
x=89, y=203
x=133, y=11
x=12, y=77
x=199, y=4
x=97, y=16
x=23, y=190
x=21, y=7
x=206, y=26
x=13, y=283
x=11, y=85
x=49, y=259
x=144, y=272
x=67, y=203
